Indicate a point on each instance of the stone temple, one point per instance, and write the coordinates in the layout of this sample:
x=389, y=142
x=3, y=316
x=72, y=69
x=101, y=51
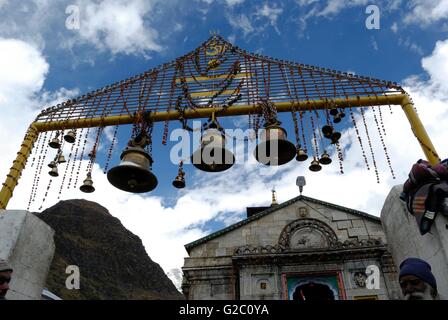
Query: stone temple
x=302, y=249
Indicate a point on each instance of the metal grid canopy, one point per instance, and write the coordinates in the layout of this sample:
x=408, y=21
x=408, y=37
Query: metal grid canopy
x=216, y=78
x=218, y=73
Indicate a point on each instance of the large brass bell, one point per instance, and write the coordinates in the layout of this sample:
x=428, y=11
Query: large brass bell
x=335, y=136
x=327, y=131
x=274, y=149
x=55, y=143
x=301, y=154
x=212, y=156
x=179, y=181
x=325, y=158
x=315, y=166
x=87, y=185
x=133, y=174
x=70, y=137
x=54, y=172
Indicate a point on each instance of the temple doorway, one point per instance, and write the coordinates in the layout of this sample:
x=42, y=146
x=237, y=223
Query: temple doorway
x=313, y=291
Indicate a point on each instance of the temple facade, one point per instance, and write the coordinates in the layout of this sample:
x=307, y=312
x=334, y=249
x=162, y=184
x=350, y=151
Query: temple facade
x=302, y=249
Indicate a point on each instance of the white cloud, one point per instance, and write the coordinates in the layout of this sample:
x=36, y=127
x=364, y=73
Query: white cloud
x=427, y=11
x=270, y=13
x=241, y=22
x=394, y=27
x=333, y=7
x=118, y=26
x=437, y=65
x=232, y=3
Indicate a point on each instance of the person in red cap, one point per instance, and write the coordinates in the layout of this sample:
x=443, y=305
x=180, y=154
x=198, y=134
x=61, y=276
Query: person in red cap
x=5, y=278
x=417, y=281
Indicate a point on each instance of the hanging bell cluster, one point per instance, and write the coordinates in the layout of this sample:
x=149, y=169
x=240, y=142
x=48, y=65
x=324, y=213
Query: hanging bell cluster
x=337, y=115
x=329, y=133
x=274, y=149
x=133, y=174
x=212, y=156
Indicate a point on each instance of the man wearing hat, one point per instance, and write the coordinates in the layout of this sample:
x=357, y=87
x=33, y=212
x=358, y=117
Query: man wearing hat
x=5, y=278
x=417, y=281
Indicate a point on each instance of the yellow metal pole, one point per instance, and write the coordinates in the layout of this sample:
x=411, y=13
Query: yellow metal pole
x=419, y=131
x=219, y=111
x=15, y=171
x=36, y=127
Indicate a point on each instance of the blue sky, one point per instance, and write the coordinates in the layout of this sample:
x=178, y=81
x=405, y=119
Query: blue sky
x=43, y=63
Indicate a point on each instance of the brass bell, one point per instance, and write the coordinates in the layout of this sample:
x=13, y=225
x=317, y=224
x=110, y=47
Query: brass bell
x=179, y=181
x=61, y=158
x=301, y=155
x=54, y=143
x=325, y=158
x=335, y=136
x=87, y=185
x=54, y=172
x=337, y=118
x=274, y=149
x=52, y=164
x=212, y=156
x=333, y=111
x=327, y=131
x=70, y=137
x=315, y=166
x=133, y=174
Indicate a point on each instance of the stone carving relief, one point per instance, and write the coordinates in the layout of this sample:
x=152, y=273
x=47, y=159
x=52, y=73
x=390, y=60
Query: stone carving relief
x=359, y=278
x=307, y=234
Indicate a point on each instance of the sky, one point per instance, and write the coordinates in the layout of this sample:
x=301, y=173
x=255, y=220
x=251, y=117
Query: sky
x=47, y=57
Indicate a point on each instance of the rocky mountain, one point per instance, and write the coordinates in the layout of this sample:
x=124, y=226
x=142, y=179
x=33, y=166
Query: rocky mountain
x=112, y=261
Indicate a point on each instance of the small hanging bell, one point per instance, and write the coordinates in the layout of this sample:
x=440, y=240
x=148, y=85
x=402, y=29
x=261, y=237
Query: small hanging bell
x=301, y=154
x=327, y=131
x=337, y=118
x=335, y=136
x=179, y=181
x=87, y=185
x=61, y=158
x=342, y=114
x=315, y=166
x=70, y=137
x=54, y=143
x=333, y=111
x=54, y=172
x=325, y=158
x=52, y=164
